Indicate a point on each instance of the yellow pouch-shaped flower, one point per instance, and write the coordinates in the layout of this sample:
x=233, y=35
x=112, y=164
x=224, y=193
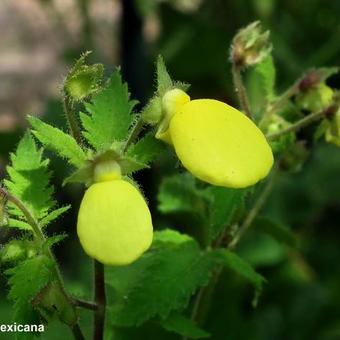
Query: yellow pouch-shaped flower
x=218, y=144
x=114, y=222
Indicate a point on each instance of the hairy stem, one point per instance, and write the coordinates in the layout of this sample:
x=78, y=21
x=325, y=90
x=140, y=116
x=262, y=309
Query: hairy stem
x=299, y=124
x=279, y=103
x=40, y=237
x=100, y=300
x=240, y=89
x=135, y=131
x=252, y=213
x=71, y=118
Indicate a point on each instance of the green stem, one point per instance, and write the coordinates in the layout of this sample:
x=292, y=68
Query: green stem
x=71, y=118
x=252, y=213
x=240, y=89
x=41, y=239
x=30, y=219
x=298, y=125
x=279, y=102
x=100, y=300
x=135, y=131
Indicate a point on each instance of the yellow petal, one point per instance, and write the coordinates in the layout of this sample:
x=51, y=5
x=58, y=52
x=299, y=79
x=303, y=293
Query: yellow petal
x=220, y=145
x=114, y=223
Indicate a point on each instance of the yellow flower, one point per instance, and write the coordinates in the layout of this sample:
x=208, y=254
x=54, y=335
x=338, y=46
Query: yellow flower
x=215, y=142
x=114, y=222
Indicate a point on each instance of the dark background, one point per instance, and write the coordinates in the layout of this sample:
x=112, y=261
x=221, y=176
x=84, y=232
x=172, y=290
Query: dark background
x=41, y=39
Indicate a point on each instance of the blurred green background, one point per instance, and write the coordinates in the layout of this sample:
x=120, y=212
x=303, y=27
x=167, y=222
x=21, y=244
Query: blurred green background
x=39, y=42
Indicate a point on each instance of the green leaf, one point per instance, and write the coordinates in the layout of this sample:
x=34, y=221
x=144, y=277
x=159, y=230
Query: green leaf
x=164, y=82
x=15, y=223
x=26, y=280
x=179, y=194
x=224, y=203
x=266, y=70
x=54, y=240
x=29, y=180
x=58, y=141
x=235, y=263
x=109, y=114
x=53, y=215
x=183, y=326
x=276, y=230
x=161, y=281
x=146, y=149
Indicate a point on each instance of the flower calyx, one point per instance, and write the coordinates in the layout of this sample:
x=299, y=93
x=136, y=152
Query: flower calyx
x=108, y=165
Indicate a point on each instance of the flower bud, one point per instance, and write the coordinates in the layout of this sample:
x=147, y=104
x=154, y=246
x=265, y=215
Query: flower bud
x=83, y=80
x=315, y=98
x=215, y=142
x=250, y=45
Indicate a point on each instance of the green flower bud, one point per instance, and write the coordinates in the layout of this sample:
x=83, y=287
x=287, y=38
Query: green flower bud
x=276, y=124
x=316, y=98
x=251, y=45
x=83, y=80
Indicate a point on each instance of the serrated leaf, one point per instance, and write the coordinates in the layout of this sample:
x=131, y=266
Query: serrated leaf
x=164, y=82
x=15, y=223
x=224, y=203
x=161, y=281
x=109, y=114
x=235, y=263
x=179, y=194
x=146, y=149
x=29, y=180
x=58, y=141
x=53, y=215
x=266, y=70
x=49, y=242
x=26, y=280
x=276, y=230
x=183, y=326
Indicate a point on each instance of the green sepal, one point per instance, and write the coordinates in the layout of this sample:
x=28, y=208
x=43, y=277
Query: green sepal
x=153, y=112
x=127, y=164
